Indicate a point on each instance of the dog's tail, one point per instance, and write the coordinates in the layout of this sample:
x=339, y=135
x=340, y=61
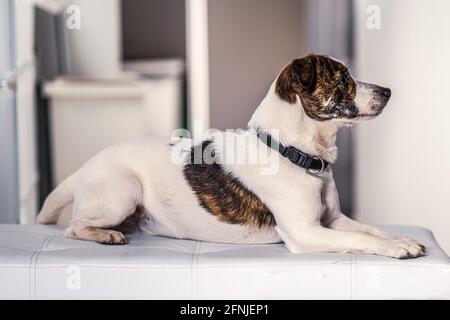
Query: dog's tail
x=56, y=201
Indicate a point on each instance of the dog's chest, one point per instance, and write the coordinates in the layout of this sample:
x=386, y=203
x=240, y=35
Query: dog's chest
x=329, y=201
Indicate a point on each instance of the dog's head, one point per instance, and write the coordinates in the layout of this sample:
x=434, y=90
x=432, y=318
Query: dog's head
x=327, y=90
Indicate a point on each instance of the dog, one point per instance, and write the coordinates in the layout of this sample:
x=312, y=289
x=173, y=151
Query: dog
x=138, y=186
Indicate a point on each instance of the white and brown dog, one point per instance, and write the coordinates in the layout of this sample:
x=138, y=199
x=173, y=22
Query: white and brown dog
x=139, y=185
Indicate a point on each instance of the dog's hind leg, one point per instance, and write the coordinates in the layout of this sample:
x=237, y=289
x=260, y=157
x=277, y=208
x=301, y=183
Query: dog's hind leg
x=102, y=204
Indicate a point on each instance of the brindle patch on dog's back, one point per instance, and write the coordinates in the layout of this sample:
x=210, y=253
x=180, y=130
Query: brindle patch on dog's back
x=222, y=194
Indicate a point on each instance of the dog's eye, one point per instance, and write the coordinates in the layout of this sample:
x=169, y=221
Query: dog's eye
x=344, y=80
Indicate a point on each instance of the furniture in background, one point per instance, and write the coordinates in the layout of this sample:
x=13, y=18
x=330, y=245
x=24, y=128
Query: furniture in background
x=90, y=114
x=91, y=93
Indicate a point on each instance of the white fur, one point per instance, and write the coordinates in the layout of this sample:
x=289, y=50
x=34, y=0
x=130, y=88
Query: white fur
x=306, y=208
x=364, y=98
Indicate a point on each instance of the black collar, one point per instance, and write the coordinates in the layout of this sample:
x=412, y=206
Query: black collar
x=312, y=164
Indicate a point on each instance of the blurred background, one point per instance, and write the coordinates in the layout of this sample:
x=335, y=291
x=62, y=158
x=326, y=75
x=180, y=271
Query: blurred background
x=79, y=75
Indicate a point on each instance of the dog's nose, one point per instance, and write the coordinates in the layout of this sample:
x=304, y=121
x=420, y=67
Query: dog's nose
x=386, y=92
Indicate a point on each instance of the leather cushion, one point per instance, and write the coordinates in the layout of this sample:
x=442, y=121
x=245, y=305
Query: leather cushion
x=38, y=262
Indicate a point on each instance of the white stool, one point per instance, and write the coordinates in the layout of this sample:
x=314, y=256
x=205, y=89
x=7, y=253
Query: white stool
x=38, y=262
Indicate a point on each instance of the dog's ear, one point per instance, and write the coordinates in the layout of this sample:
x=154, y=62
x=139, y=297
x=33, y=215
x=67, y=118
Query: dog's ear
x=303, y=72
x=298, y=76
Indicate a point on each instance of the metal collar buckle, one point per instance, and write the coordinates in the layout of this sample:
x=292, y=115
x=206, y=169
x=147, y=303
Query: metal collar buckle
x=316, y=173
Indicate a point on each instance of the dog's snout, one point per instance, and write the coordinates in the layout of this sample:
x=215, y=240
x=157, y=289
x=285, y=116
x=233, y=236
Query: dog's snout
x=386, y=92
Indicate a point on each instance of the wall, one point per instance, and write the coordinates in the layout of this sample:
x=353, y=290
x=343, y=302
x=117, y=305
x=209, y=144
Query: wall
x=403, y=172
x=153, y=29
x=249, y=43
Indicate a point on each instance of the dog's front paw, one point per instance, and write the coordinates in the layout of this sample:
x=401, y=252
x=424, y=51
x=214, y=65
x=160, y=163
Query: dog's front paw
x=402, y=248
x=409, y=241
x=413, y=243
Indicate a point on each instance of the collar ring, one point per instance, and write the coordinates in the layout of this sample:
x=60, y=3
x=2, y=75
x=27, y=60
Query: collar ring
x=322, y=167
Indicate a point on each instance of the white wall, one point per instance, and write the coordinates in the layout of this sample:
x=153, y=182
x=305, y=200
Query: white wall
x=250, y=42
x=403, y=158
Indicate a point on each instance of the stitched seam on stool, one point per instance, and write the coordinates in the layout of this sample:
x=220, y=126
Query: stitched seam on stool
x=356, y=277
x=196, y=267
x=44, y=247
x=192, y=269
x=32, y=270
x=351, y=276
